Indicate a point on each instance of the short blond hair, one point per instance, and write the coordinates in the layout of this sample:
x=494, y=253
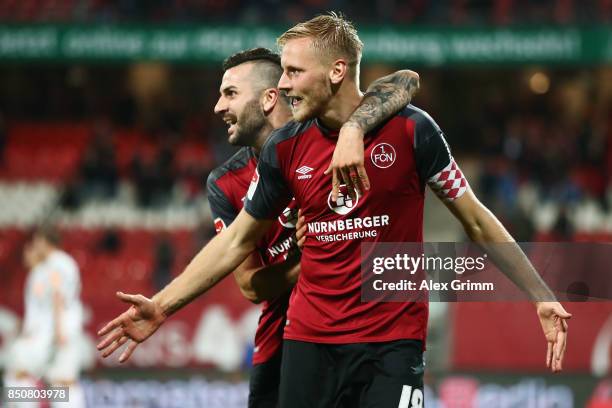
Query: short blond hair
x=332, y=36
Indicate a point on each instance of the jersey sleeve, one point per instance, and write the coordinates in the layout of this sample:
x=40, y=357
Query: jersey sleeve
x=64, y=277
x=223, y=213
x=268, y=194
x=435, y=164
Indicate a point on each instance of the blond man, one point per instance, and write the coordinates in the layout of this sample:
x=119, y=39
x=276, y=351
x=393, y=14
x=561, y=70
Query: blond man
x=340, y=351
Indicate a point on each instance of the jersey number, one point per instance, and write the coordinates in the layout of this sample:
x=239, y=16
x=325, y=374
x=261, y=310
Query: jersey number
x=411, y=398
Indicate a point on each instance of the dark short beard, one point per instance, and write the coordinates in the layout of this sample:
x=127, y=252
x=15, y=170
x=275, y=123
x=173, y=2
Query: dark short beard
x=250, y=124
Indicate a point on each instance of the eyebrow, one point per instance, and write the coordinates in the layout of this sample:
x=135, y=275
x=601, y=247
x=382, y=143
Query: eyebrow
x=228, y=88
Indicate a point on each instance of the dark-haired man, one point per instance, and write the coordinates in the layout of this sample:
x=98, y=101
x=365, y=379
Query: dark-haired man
x=252, y=106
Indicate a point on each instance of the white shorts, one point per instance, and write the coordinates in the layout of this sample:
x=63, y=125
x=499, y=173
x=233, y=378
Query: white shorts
x=65, y=364
x=38, y=358
x=30, y=355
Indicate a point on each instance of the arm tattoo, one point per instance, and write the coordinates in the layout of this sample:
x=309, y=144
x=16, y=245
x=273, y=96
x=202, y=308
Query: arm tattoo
x=383, y=98
x=176, y=306
x=186, y=299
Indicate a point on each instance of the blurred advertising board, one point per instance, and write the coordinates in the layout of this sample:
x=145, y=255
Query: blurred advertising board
x=212, y=43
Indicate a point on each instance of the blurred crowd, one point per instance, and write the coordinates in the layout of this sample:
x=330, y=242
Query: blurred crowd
x=275, y=11
x=539, y=138
x=541, y=157
x=540, y=141
x=154, y=176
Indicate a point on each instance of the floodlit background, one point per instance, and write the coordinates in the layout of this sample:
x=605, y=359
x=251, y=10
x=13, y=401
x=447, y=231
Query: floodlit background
x=107, y=129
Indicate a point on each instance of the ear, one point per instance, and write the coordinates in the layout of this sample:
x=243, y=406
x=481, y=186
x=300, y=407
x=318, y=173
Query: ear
x=339, y=71
x=268, y=100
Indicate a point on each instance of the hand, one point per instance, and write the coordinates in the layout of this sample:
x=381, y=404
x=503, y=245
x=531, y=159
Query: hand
x=137, y=324
x=300, y=230
x=347, y=162
x=553, y=320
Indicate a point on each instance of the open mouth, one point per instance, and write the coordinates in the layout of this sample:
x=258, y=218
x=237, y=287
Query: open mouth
x=231, y=124
x=295, y=101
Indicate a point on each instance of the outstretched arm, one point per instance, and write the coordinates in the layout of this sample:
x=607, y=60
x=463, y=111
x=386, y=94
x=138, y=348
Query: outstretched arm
x=215, y=261
x=383, y=98
x=485, y=229
x=437, y=168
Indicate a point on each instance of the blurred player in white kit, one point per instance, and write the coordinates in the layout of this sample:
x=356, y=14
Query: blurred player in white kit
x=48, y=347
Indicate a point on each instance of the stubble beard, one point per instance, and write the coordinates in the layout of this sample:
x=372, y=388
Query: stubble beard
x=313, y=105
x=250, y=123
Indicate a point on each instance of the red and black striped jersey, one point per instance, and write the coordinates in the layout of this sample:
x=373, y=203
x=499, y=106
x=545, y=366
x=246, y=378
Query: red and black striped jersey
x=402, y=156
x=227, y=186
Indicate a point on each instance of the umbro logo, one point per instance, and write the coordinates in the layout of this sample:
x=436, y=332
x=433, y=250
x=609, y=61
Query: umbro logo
x=304, y=172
